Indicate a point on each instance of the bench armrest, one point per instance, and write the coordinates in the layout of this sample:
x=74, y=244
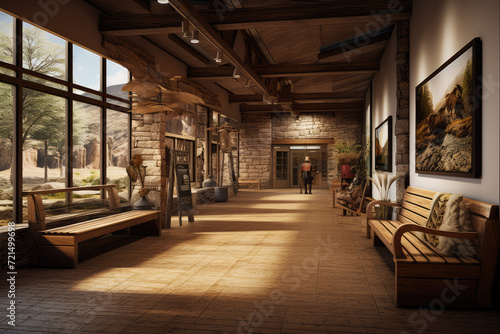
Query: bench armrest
x=369, y=214
x=398, y=234
x=369, y=208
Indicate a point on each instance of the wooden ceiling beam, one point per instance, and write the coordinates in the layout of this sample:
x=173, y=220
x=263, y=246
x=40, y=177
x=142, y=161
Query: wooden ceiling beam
x=144, y=4
x=340, y=12
x=357, y=43
x=348, y=96
x=287, y=70
x=303, y=107
x=186, y=47
x=198, y=22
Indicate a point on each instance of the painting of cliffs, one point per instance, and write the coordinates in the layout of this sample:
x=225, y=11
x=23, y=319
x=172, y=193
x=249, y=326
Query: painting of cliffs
x=383, y=143
x=444, y=119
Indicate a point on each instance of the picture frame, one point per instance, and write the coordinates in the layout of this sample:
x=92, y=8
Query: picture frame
x=448, y=116
x=383, y=146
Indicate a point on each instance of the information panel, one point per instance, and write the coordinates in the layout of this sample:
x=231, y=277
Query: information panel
x=184, y=197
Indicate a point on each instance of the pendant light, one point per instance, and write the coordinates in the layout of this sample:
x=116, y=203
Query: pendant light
x=195, y=37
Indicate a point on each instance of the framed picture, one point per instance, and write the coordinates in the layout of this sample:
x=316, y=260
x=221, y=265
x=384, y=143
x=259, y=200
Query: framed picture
x=383, y=146
x=448, y=116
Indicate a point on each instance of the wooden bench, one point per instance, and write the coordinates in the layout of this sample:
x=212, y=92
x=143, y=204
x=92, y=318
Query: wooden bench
x=257, y=182
x=58, y=247
x=345, y=205
x=424, y=274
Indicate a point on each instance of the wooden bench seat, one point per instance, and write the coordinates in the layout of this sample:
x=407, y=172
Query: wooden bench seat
x=425, y=274
x=58, y=247
x=257, y=182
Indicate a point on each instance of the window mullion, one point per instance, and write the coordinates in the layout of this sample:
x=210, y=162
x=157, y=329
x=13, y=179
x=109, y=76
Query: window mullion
x=17, y=168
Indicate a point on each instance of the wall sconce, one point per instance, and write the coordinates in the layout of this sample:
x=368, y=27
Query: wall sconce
x=236, y=74
x=247, y=83
x=185, y=29
x=195, y=37
x=219, y=57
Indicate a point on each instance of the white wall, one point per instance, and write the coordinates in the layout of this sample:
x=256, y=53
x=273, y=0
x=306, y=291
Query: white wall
x=439, y=29
x=384, y=104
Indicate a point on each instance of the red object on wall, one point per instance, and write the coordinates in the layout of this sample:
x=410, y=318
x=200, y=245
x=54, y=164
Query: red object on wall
x=345, y=172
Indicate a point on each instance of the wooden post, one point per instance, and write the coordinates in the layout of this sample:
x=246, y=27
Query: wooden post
x=170, y=191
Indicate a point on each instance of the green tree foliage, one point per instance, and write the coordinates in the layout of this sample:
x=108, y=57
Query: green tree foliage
x=42, y=114
x=468, y=87
x=425, y=107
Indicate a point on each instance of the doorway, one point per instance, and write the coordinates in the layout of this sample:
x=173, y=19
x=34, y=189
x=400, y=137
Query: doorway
x=287, y=160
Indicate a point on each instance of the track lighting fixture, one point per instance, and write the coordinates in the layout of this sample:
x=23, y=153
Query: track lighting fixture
x=219, y=57
x=266, y=99
x=236, y=74
x=163, y=2
x=185, y=29
x=195, y=37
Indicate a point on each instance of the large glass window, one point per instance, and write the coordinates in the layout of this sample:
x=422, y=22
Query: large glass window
x=6, y=38
x=44, y=120
x=86, y=144
x=86, y=69
x=43, y=140
x=6, y=186
x=117, y=148
x=116, y=77
x=44, y=52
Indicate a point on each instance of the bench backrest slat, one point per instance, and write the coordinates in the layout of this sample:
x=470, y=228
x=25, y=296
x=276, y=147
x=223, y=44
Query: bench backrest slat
x=416, y=205
x=36, y=211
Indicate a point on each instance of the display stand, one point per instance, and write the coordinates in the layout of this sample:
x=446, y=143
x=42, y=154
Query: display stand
x=224, y=147
x=179, y=173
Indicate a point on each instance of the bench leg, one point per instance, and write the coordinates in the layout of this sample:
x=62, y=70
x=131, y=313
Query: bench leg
x=151, y=228
x=58, y=251
x=377, y=242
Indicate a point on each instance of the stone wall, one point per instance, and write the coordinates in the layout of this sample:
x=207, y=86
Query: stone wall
x=402, y=127
x=255, y=148
x=258, y=131
x=148, y=140
x=342, y=126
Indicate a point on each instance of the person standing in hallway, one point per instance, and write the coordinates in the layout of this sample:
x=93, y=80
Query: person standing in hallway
x=307, y=170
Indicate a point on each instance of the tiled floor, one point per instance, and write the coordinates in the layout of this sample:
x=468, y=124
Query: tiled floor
x=269, y=261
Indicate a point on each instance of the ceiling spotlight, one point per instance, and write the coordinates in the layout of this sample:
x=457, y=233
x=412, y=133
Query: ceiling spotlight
x=195, y=37
x=185, y=29
x=247, y=83
x=236, y=74
x=219, y=57
x=163, y=2
x=266, y=99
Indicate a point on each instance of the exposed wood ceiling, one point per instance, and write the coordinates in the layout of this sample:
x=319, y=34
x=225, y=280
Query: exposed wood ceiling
x=303, y=53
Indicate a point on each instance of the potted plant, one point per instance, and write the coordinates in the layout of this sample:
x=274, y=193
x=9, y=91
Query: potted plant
x=348, y=156
x=383, y=185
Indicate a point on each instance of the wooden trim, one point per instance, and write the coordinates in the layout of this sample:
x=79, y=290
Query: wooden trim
x=303, y=141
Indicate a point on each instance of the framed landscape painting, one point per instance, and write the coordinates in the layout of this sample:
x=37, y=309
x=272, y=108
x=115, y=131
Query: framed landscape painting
x=383, y=146
x=448, y=117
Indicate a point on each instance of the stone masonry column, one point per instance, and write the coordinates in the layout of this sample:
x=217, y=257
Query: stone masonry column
x=402, y=128
x=148, y=140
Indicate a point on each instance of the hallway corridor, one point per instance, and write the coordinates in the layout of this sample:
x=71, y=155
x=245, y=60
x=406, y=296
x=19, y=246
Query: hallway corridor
x=269, y=261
